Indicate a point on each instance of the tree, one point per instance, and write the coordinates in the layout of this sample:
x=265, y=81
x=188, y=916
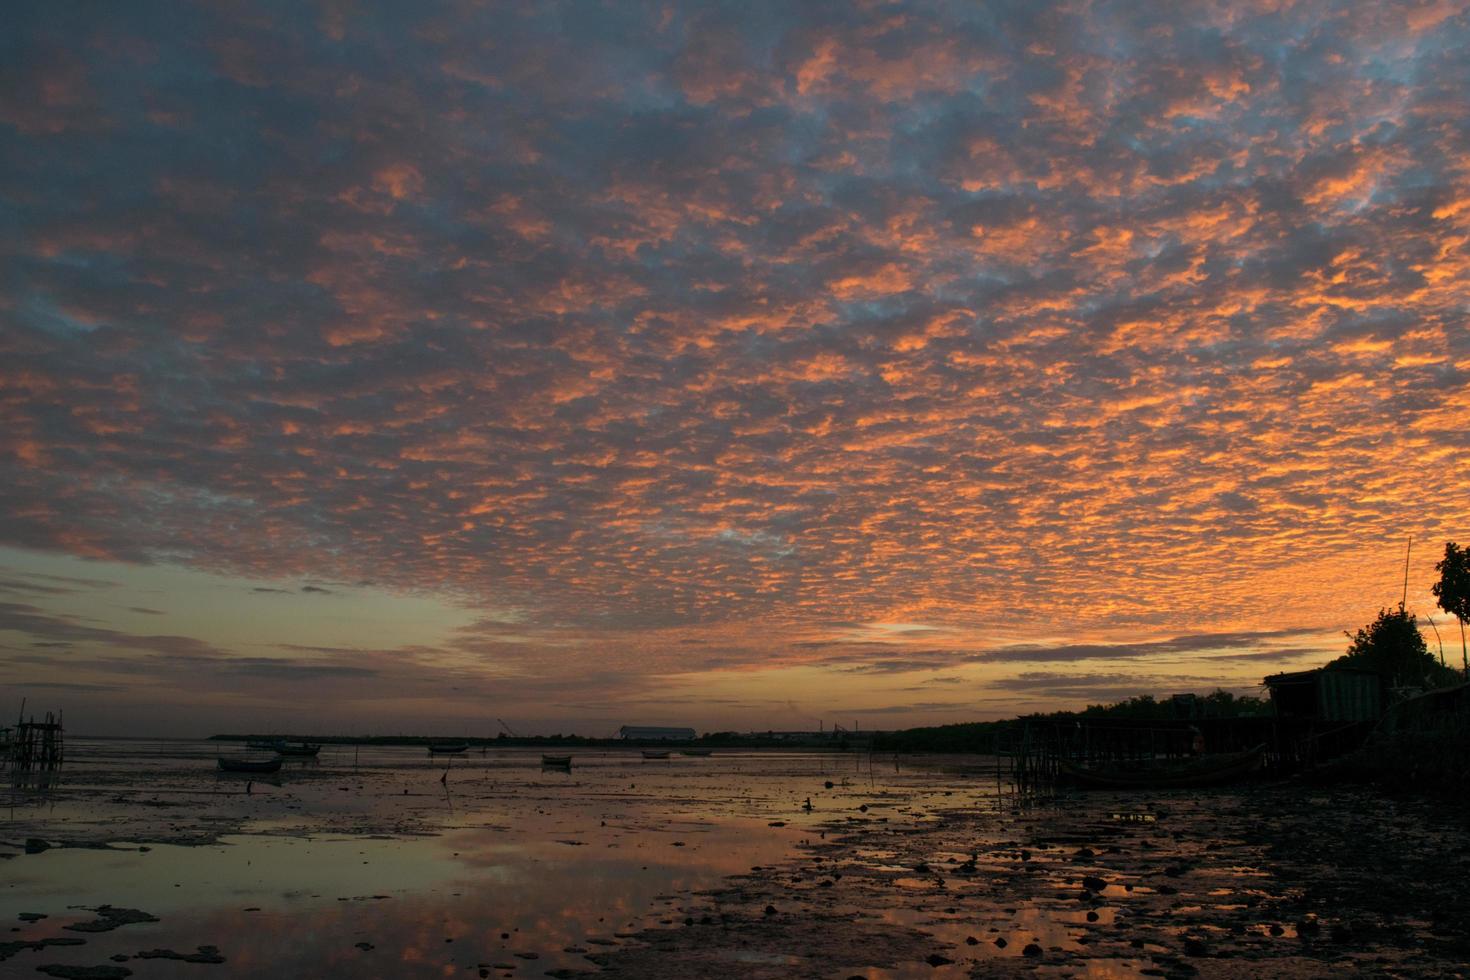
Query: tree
x=1453, y=590
x=1393, y=646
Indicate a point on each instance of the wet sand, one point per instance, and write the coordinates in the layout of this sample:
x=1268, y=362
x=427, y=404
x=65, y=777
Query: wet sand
x=366, y=865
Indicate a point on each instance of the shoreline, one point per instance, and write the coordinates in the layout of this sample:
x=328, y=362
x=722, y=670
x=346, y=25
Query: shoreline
x=930, y=870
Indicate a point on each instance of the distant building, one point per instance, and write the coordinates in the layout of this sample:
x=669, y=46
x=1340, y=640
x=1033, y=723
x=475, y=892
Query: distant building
x=1328, y=694
x=1184, y=706
x=656, y=734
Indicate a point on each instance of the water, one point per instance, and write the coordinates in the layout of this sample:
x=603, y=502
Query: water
x=364, y=861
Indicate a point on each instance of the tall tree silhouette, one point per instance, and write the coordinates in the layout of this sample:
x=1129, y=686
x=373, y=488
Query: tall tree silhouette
x=1453, y=590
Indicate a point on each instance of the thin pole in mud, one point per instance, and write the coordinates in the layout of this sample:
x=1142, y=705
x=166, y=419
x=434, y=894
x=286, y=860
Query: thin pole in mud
x=1437, y=638
x=1407, y=548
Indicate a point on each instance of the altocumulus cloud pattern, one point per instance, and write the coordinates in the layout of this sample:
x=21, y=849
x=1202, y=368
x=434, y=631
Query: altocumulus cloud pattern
x=667, y=320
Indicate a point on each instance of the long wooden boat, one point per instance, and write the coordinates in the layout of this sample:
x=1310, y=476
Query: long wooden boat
x=298, y=749
x=557, y=761
x=652, y=754
x=447, y=748
x=1207, y=770
x=249, y=765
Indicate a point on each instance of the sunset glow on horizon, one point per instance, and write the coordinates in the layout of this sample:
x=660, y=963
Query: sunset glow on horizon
x=379, y=367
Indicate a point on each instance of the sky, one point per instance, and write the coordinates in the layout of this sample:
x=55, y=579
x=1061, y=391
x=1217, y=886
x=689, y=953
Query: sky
x=384, y=367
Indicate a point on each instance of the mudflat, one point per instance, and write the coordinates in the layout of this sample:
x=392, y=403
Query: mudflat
x=144, y=861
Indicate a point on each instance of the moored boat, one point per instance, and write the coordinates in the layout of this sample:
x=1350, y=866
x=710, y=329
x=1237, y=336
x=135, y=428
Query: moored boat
x=653, y=754
x=249, y=765
x=296, y=749
x=1205, y=770
x=556, y=761
x=447, y=748
x=698, y=753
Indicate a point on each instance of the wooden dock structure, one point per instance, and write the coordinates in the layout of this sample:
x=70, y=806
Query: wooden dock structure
x=1039, y=749
x=36, y=746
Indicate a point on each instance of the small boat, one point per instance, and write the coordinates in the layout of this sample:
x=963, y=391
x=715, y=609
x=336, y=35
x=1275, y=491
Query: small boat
x=652, y=754
x=447, y=748
x=557, y=761
x=298, y=749
x=697, y=753
x=249, y=765
x=263, y=745
x=1205, y=770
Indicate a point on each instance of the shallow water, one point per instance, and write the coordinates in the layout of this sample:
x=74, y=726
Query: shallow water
x=363, y=861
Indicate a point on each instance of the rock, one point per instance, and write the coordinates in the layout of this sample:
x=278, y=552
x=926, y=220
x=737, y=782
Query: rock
x=935, y=959
x=1032, y=950
x=971, y=941
x=109, y=918
x=35, y=845
x=1093, y=883
x=7, y=950
x=85, y=972
x=1000, y=942
x=1195, y=946
x=205, y=954
x=770, y=910
x=1276, y=930
x=828, y=784
x=365, y=947
x=1092, y=916
x=1085, y=853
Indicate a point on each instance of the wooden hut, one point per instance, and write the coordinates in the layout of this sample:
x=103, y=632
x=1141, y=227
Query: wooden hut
x=1328, y=694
